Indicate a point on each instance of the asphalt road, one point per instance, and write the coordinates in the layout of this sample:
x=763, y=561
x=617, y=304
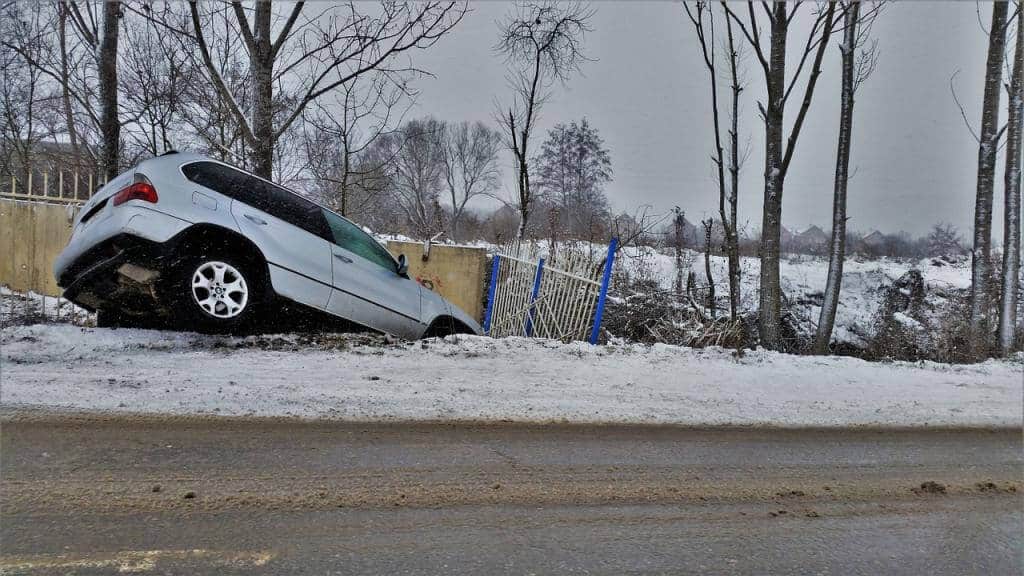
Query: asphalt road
x=85, y=495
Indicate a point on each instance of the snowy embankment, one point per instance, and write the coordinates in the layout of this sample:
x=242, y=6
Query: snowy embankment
x=62, y=367
x=803, y=280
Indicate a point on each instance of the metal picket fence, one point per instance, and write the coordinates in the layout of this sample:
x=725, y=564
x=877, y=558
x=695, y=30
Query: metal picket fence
x=59, y=186
x=564, y=301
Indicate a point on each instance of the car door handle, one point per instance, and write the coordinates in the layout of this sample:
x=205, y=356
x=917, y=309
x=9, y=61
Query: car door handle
x=256, y=219
x=343, y=258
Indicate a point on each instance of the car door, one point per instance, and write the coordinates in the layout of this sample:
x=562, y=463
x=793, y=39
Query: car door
x=367, y=286
x=290, y=231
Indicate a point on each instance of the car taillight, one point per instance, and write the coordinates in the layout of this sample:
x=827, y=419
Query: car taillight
x=137, y=191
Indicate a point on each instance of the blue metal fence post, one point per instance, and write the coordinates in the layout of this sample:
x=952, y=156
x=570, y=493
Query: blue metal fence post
x=605, y=280
x=490, y=293
x=533, y=296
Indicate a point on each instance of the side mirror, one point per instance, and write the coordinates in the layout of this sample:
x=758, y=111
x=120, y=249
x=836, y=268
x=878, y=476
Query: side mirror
x=403, y=265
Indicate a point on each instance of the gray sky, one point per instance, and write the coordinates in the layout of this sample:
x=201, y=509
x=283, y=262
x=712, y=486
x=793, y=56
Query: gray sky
x=647, y=92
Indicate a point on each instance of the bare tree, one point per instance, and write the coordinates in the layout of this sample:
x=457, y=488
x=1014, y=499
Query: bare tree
x=20, y=86
x=541, y=42
x=336, y=137
x=470, y=157
x=313, y=54
x=1011, y=211
x=156, y=68
x=858, y=59
x=988, y=138
x=777, y=156
x=727, y=192
x=944, y=240
x=416, y=174
x=730, y=225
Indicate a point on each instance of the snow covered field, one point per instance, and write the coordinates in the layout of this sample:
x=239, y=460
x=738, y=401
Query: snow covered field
x=803, y=283
x=362, y=377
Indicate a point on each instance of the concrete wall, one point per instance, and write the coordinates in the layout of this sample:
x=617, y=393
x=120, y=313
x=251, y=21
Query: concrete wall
x=456, y=272
x=31, y=236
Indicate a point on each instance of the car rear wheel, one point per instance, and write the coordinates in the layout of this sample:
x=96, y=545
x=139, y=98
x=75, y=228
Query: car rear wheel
x=218, y=293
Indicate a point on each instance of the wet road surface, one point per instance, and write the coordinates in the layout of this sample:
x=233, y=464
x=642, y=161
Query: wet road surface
x=88, y=495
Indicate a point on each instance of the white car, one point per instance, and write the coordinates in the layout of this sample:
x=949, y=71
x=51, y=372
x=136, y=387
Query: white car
x=188, y=239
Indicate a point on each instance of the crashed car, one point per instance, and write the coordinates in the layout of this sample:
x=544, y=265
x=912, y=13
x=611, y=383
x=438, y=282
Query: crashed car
x=188, y=240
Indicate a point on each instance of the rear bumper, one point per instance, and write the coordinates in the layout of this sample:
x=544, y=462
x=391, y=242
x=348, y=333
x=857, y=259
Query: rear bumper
x=129, y=219
x=122, y=272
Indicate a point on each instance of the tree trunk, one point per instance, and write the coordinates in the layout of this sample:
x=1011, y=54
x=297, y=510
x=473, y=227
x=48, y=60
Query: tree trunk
x=771, y=291
x=1011, y=215
x=837, y=247
x=345, y=175
x=708, y=225
x=65, y=84
x=987, y=150
x=678, y=224
x=524, y=191
x=110, y=124
x=262, y=66
x=730, y=226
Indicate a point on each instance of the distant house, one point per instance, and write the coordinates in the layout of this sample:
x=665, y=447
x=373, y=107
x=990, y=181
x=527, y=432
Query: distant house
x=813, y=240
x=785, y=236
x=873, y=242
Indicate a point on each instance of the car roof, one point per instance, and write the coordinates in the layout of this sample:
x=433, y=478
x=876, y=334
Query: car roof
x=179, y=159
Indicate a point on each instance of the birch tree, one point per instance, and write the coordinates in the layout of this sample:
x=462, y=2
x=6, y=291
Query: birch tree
x=542, y=43
x=1011, y=210
x=778, y=155
x=856, y=67
x=988, y=138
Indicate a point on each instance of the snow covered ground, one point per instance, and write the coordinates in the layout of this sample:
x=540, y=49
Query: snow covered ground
x=361, y=377
x=18, y=308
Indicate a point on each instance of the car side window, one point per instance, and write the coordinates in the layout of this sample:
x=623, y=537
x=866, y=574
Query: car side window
x=291, y=208
x=221, y=178
x=262, y=195
x=351, y=238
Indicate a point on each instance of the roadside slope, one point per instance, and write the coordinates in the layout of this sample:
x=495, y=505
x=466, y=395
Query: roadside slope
x=363, y=378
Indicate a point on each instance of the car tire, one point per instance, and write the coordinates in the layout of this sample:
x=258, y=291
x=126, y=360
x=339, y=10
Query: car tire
x=217, y=293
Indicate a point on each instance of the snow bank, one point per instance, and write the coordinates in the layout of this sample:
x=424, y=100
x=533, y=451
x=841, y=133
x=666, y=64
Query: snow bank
x=477, y=378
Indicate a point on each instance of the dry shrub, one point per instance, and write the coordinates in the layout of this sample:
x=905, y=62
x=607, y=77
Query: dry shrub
x=643, y=312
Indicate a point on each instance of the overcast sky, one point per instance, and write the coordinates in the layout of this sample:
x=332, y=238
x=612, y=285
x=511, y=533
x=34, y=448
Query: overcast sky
x=647, y=91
